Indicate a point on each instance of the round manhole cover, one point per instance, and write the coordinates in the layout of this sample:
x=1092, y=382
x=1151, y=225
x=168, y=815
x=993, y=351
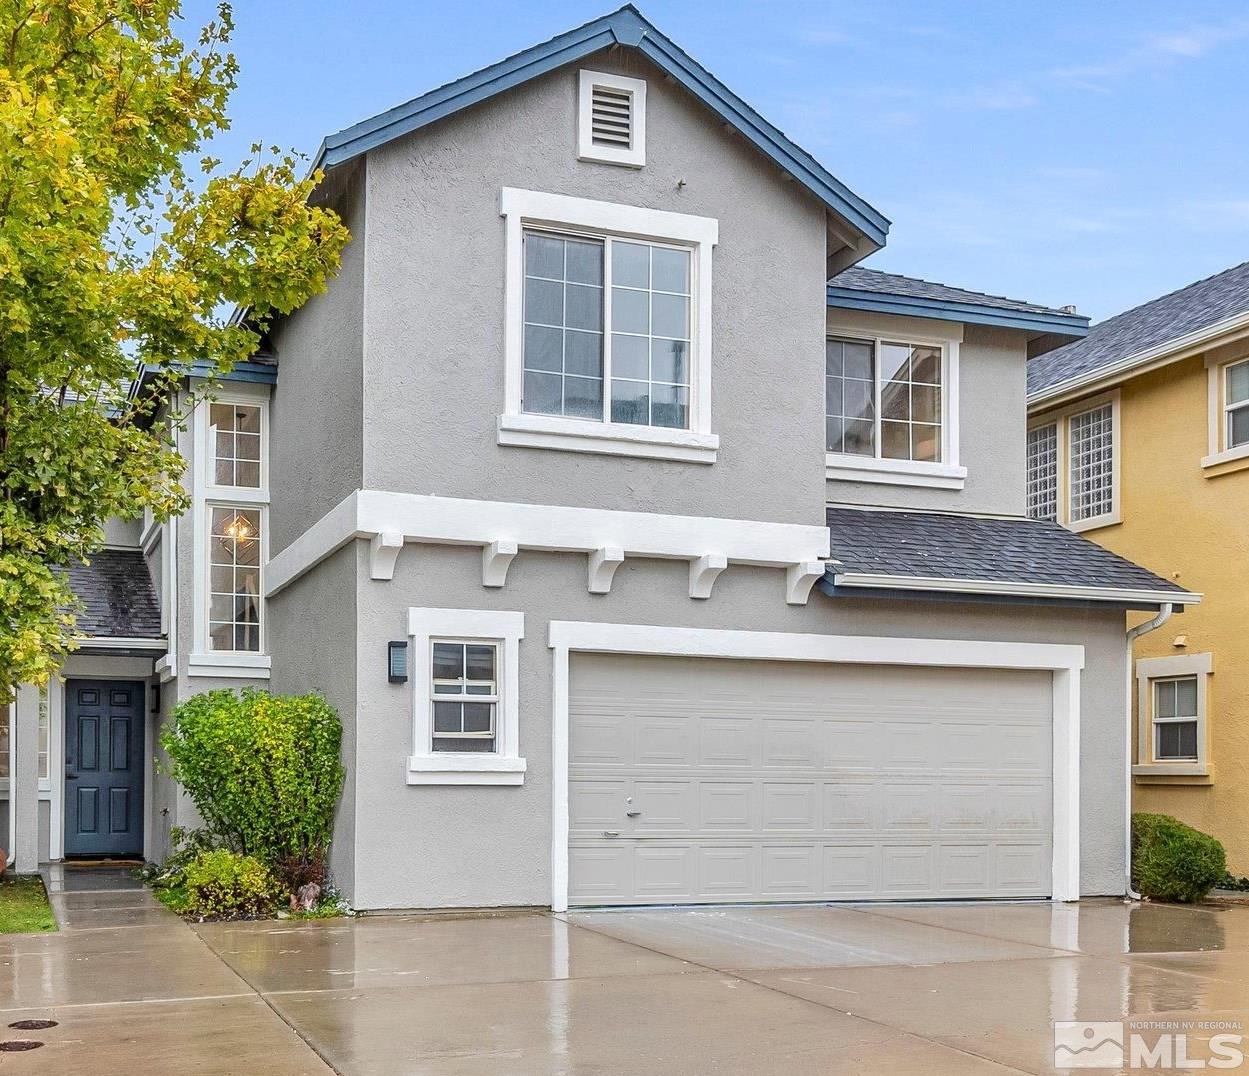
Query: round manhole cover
x=13, y=1045
x=32, y=1025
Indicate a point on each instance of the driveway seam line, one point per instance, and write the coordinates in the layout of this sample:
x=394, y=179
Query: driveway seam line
x=796, y=997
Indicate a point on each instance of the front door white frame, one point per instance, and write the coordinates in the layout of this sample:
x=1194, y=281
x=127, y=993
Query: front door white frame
x=1063, y=660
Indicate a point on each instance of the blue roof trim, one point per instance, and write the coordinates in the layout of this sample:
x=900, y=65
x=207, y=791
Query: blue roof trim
x=628, y=27
x=257, y=373
x=1072, y=325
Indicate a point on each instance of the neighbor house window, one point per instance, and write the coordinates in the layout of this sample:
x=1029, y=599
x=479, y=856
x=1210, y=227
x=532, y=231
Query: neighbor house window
x=1043, y=472
x=1236, y=404
x=236, y=444
x=883, y=399
x=1091, y=461
x=465, y=695
x=44, y=733
x=234, y=607
x=1175, y=719
x=1172, y=705
x=1073, y=465
x=607, y=330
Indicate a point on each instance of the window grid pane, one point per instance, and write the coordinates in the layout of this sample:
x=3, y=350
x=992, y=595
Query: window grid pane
x=563, y=326
x=234, y=573
x=850, y=397
x=236, y=444
x=1043, y=472
x=650, y=343
x=1236, y=404
x=1091, y=470
x=464, y=695
x=1175, y=719
x=910, y=402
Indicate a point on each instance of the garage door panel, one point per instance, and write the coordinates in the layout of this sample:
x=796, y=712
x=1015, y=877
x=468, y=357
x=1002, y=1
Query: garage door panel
x=793, y=781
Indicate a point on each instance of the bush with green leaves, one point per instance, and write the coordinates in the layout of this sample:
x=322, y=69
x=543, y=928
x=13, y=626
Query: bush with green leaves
x=223, y=884
x=264, y=772
x=1172, y=861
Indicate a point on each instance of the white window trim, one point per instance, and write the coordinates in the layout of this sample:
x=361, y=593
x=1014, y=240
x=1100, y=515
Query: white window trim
x=948, y=474
x=206, y=495
x=521, y=208
x=635, y=155
x=1149, y=670
x=1064, y=660
x=504, y=766
x=1216, y=375
x=1062, y=419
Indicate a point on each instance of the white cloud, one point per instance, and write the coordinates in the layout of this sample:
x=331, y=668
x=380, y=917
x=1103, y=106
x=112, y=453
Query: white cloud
x=1154, y=50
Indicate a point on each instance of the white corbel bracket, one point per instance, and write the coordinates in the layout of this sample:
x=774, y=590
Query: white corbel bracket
x=603, y=564
x=383, y=552
x=496, y=558
x=703, y=573
x=800, y=578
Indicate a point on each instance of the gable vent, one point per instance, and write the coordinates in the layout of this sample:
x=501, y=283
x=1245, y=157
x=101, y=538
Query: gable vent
x=611, y=117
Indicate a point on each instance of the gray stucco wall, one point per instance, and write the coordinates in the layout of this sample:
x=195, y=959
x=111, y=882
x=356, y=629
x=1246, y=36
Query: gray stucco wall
x=434, y=299
x=992, y=413
x=421, y=846
x=315, y=418
x=313, y=628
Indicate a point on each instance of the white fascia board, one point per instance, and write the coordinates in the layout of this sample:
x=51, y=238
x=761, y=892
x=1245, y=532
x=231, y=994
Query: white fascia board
x=878, y=581
x=550, y=528
x=116, y=642
x=1169, y=351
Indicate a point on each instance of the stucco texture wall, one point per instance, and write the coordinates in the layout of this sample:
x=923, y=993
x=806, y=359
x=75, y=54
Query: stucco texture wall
x=418, y=846
x=434, y=307
x=1189, y=524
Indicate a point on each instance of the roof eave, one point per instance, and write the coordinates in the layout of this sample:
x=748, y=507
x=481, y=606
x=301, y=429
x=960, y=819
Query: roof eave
x=1126, y=596
x=626, y=27
x=1072, y=326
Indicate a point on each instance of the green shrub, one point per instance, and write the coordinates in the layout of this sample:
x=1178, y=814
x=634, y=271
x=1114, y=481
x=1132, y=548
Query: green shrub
x=1172, y=861
x=264, y=772
x=224, y=883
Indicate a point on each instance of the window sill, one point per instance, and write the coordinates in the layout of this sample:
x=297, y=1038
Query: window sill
x=447, y=768
x=1094, y=523
x=236, y=666
x=842, y=468
x=1171, y=769
x=1228, y=455
x=607, y=439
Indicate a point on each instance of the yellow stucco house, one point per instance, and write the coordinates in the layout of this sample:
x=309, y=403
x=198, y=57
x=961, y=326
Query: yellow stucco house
x=1138, y=437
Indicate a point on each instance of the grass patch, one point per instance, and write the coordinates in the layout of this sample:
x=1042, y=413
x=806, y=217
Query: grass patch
x=24, y=907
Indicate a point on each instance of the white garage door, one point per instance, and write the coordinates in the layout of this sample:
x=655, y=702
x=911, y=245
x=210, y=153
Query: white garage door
x=695, y=780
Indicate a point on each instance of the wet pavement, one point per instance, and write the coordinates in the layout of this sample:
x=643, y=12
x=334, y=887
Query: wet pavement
x=933, y=989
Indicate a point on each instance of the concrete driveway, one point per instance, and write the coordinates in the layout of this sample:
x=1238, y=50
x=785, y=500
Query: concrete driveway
x=931, y=989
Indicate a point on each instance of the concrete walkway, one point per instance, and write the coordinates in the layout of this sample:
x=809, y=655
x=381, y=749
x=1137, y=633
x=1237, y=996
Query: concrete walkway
x=933, y=989
x=134, y=990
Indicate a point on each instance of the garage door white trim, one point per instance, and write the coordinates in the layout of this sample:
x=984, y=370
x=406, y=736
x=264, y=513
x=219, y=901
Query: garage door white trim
x=1064, y=661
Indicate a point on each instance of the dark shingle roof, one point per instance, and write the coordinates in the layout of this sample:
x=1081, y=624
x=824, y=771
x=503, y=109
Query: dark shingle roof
x=1188, y=310
x=1003, y=550
x=873, y=280
x=117, y=596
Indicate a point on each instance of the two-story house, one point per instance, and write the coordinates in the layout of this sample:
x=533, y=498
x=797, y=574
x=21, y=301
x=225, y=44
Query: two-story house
x=1139, y=438
x=651, y=550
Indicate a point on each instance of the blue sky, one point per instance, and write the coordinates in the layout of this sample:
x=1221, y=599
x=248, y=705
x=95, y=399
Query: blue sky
x=1092, y=153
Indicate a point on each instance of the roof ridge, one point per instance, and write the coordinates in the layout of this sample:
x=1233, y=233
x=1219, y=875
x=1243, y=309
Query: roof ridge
x=955, y=287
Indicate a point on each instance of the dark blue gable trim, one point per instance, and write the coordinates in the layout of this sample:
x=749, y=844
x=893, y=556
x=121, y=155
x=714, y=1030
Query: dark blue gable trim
x=1072, y=325
x=623, y=27
x=258, y=373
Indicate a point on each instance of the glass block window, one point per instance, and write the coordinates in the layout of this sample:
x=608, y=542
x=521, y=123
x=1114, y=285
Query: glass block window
x=1236, y=404
x=1090, y=440
x=1043, y=472
x=465, y=695
x=1175, y=719
x=235, y=434
x=234, y=579
x=571, y=284
x=850, y=396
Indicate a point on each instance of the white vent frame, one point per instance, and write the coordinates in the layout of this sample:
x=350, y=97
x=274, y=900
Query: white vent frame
x=634, y=156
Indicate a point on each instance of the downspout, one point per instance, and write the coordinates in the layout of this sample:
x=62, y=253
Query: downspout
x=1165, y=612
x=12, y=855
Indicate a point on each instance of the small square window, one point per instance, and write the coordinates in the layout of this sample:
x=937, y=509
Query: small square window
x=1176, y=719
x=1236, y=404
x=235, y=437
x=464, y=694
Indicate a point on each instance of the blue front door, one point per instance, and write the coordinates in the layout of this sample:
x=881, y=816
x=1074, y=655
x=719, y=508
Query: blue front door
x=103, y=767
